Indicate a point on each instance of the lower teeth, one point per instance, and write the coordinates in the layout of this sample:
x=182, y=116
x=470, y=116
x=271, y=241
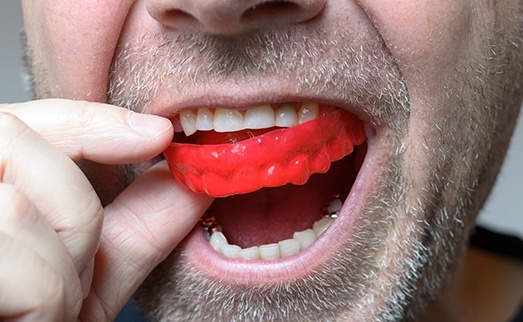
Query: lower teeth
x=300, y=241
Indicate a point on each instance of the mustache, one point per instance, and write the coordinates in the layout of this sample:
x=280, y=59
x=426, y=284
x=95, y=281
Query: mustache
x=358, y=68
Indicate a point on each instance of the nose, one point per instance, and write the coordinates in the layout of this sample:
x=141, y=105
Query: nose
x=229, y=17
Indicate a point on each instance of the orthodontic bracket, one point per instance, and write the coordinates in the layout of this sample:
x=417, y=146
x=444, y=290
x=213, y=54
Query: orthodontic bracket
x=209, y=223
x=332, y=207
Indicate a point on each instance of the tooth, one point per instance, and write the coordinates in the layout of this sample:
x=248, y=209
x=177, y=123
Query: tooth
x=285, y=116
x=231, y=251
x=177, y=125
x=204, y=120
x=305, y=238
x=308, y=111
x=334, y=206
x=218, y=240
x=300, y=241
x=188, y=121
x=250, y=253
x=226, y=120
x=321, y=225
x=259, y=117
x=270, y=251
x=289, y=247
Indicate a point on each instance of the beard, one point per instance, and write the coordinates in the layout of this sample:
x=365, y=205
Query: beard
x=413, y=228
x=176, y=290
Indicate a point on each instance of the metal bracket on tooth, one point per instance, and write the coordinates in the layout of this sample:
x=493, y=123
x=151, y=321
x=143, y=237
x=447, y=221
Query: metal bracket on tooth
x=333, y=206
x=209, y=224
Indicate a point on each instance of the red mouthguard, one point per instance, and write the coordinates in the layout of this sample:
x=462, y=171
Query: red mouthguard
x=273, y=159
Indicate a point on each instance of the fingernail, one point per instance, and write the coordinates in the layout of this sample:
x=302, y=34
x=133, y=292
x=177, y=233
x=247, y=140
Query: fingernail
x=149, y=125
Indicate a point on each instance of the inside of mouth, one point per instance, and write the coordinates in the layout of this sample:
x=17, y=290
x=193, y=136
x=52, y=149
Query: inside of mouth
x=268, y=220
x=270, y=216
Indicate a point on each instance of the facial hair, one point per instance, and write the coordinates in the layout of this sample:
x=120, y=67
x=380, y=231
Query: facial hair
x=412, y=229
x=175, y=290
x=407, y=241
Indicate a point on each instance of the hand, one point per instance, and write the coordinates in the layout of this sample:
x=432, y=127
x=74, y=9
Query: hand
x=62, y=256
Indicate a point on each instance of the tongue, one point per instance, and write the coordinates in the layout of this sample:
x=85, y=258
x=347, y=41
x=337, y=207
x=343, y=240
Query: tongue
x=272, y=159
x=273, y=214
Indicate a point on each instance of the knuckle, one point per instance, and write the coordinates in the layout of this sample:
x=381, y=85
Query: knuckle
x=58, y=294
x=52, y=296
x=12, y=130
x=15, y=206
x=9, y=123
x=55, y=289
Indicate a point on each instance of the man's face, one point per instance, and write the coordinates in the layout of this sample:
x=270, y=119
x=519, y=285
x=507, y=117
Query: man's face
x=437, y=85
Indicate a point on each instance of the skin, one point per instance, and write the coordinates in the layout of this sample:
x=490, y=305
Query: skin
x=442, y=92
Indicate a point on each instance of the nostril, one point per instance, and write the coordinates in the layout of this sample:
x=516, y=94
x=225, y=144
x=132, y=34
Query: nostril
x=268, y=9
x=232, y=16
x=177, y=14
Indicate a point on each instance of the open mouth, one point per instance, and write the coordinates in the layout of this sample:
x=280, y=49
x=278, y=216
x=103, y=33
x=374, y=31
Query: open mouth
x=280, y=172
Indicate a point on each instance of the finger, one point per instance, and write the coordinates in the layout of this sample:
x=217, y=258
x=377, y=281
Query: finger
x=94, y=131
x=21, y=221
x=54, y=184
x=31, y=290
x=142, y=226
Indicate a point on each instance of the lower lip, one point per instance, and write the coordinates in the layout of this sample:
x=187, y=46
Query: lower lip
x=255, y=272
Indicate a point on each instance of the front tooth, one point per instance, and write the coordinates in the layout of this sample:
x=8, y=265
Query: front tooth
x=188, y=121
x=308, y=112
x=250, y=253
x=305, y=237
x=270, y=251
x=231, y=251
x=285, y=116
x=321, y=225
x=259, y=117
x=204, y=119
x=217, y=240
x=289, y=247
x=226, y=120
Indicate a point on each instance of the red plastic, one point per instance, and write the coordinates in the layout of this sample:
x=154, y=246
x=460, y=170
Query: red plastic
x=273, y=159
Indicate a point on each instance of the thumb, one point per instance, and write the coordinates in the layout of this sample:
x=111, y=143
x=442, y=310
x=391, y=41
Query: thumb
x=142, y=226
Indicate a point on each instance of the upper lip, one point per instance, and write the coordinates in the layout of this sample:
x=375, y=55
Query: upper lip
x=245, y=99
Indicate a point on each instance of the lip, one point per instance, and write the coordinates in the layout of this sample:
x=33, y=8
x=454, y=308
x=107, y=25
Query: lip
x=242, y=99
x=247, y=272
x=199, y=252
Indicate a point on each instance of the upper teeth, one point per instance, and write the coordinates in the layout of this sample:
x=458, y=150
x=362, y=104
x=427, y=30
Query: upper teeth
x=260, y=117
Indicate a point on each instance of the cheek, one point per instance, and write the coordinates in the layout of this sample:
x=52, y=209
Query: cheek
x=423, y=35
x=431, y=41
x=73, y=43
